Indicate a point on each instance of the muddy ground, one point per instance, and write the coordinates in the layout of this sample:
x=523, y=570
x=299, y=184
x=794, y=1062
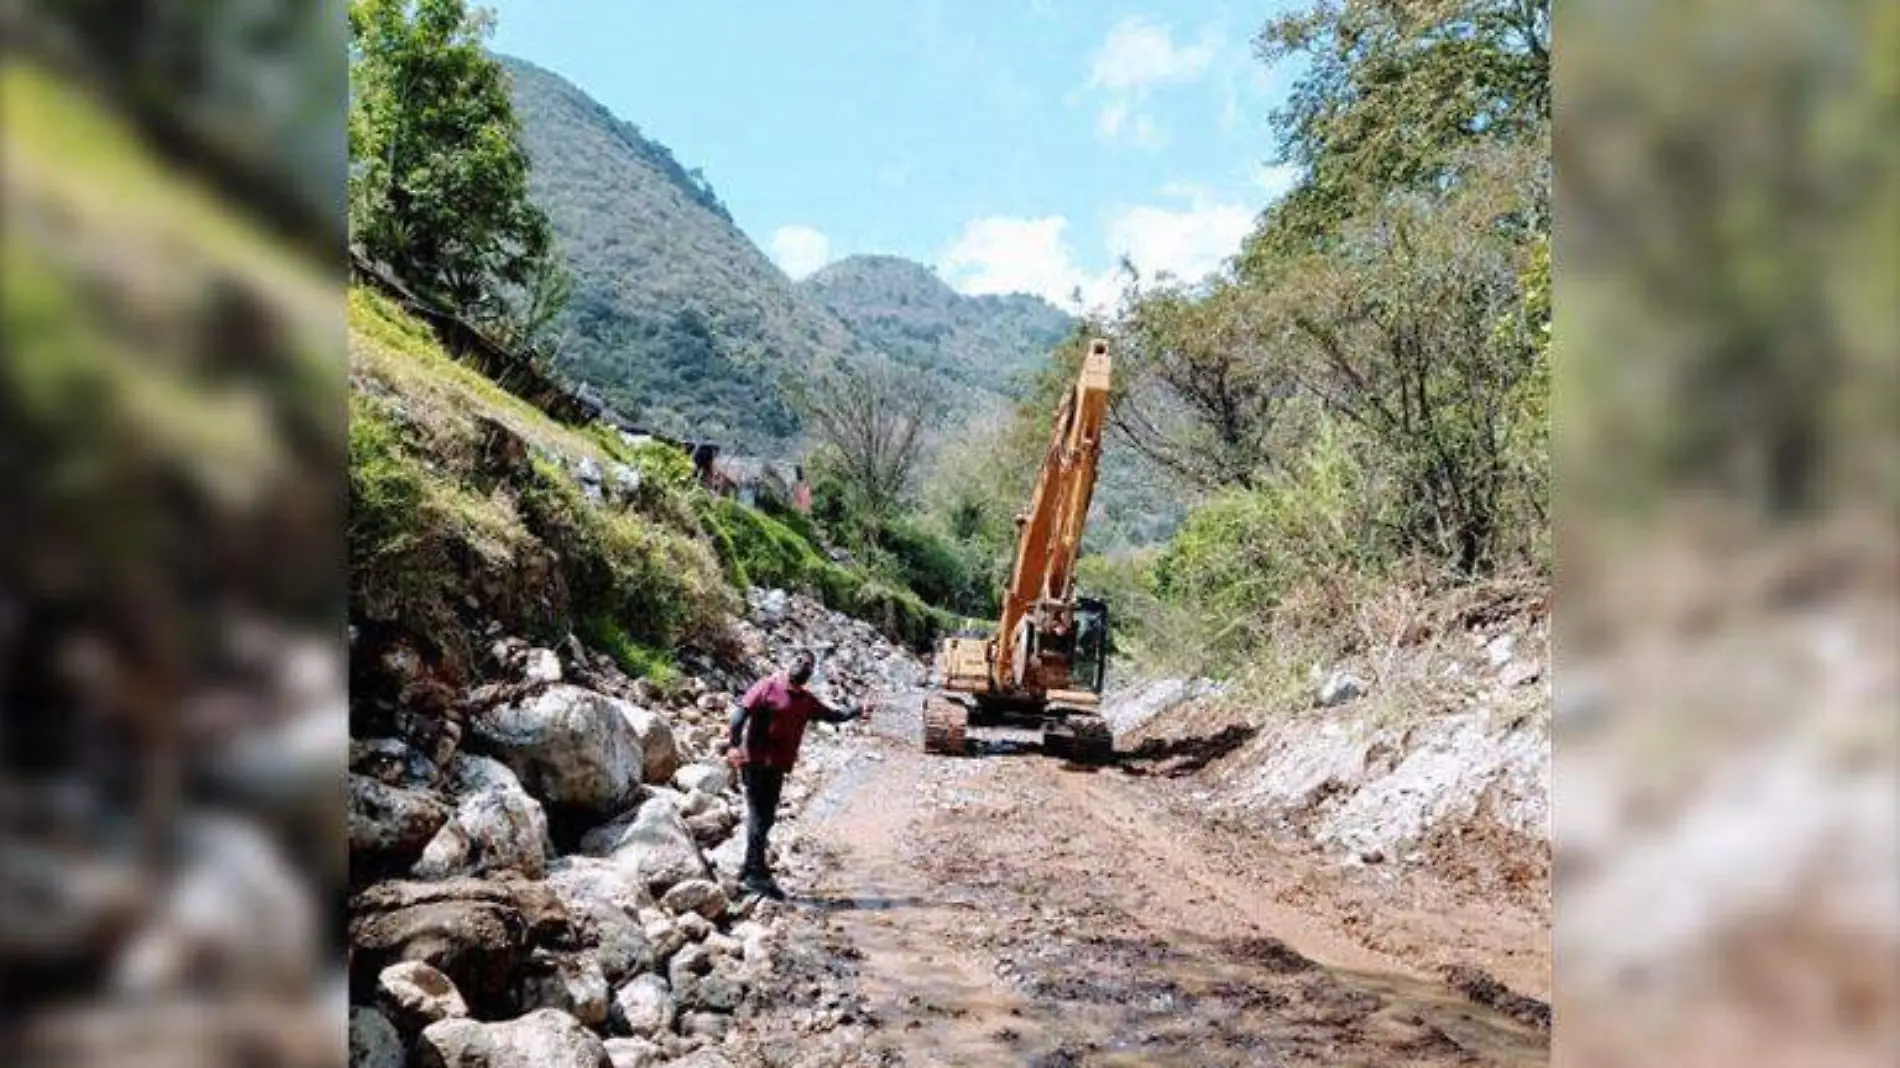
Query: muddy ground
x=1012, y=909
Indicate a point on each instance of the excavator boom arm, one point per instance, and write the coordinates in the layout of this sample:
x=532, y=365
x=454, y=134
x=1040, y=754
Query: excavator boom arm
x=1044, y=661
x=1042, y=579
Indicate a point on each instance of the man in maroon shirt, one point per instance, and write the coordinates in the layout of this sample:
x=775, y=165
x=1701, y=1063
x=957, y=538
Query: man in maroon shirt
x=767, y=726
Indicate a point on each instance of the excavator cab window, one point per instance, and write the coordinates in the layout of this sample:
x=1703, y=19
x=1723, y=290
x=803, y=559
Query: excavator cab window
x=1088, y=665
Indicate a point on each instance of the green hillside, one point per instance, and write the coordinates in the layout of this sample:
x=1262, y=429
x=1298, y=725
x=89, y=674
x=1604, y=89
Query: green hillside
x=904, y=310
x=676, y=318
x=449, y=530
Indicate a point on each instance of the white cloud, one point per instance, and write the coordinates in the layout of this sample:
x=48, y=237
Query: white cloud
x=1188, y=243
x=1277, y=179
x=1003, y=254
x=1140, y=53
x=800, y=250
x=1231, y=112
x=1192, y=192
x=1247, y=94
x=1118, y=121
x=1138, y=56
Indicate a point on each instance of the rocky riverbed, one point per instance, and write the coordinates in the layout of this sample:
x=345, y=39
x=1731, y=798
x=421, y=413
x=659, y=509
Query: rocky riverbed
x=543, y=874
x=543, y=865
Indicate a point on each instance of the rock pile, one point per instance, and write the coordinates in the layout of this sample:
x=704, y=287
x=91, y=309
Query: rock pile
x=544, y=865
x=854, y=660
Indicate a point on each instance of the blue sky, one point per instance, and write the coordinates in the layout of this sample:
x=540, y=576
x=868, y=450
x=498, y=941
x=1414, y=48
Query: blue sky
x=1011, y=144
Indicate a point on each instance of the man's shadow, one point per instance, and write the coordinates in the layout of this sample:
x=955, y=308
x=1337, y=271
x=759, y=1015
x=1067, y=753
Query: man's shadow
x=862, y=903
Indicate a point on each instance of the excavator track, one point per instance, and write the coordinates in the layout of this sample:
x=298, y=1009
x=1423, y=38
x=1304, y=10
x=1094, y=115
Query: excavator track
x=945, y=726
x=1094, y=742
x=1082, y=737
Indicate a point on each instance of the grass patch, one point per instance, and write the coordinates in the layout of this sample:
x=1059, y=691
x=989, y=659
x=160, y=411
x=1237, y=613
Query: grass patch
x=762, y=550
x=758, y=549
x=535, y=553
x=418, y=540
x=658, y=585
x=636, y=659
x=392, y=352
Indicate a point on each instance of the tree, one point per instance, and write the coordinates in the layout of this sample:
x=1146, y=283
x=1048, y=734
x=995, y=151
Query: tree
x=1396, y=284
x=1201, y=392
x=1733, y=216
x=528, y=324
x=870, y=423
x=1394, y=96
x=1415, y=327
x=438, y=178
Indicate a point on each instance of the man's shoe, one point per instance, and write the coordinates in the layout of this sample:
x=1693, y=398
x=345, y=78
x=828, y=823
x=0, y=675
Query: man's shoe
x=762, y=885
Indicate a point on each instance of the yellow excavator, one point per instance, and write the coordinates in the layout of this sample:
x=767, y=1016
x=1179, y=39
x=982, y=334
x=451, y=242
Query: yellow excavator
x=1043, y=667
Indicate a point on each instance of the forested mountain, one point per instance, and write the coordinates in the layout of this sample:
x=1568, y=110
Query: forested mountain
x=675, y=317
x=904, y=310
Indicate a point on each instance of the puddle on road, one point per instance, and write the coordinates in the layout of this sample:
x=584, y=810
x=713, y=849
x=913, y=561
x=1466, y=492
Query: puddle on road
x=937, y=1003
x=1493, y=1035
x=830, y=903
x=1177, y=999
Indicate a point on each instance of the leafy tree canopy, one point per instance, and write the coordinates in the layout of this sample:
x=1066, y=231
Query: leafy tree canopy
x=438, y=178
x=1394, y=95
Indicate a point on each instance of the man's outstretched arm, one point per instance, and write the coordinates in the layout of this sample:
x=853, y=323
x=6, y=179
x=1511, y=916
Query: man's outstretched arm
x=838, y=715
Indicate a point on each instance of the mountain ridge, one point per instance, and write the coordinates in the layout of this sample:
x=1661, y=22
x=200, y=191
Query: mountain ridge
x=904, y=309
x=681, y=322
x=675, y=318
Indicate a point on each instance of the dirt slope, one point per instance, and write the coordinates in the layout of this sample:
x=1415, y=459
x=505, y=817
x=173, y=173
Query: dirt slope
x=1011, y=909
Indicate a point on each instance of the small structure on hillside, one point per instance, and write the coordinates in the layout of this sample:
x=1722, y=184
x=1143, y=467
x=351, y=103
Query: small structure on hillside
x=748, y=479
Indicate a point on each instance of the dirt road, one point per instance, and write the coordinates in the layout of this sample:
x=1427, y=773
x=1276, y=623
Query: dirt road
x=1011, y=909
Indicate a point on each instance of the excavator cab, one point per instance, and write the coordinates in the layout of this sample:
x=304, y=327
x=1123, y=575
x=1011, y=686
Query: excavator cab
x=1088, y=663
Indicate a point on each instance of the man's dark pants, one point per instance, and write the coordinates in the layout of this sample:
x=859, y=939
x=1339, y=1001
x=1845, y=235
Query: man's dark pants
x=762, y=787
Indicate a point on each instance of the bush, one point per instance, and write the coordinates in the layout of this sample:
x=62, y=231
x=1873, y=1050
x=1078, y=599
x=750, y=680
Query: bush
x=1250, y=567
x=899, y=613
x=417, y=538
x=663, y=466
x=954, y=573
x=800, y=523
x=657, y=585
x=836, y=512
x=1125, y=582
x=386, y=491
x=638, y=660
x=942, y=572
x=757, y=549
